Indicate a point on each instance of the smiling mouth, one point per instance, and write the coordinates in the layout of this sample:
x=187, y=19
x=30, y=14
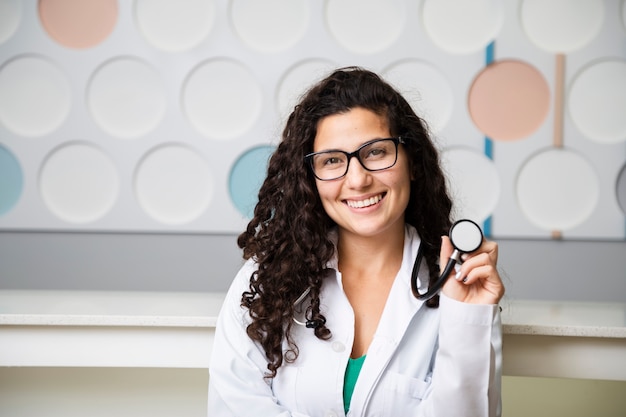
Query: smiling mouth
x=365, y=203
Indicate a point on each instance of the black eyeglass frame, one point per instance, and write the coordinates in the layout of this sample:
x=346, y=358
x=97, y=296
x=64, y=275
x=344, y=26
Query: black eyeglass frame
x=356, y=154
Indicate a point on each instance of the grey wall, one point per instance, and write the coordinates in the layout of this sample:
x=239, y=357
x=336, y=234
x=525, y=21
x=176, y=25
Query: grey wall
x=541, y=269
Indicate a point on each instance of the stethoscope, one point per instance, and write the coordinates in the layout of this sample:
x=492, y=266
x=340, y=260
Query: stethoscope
x=465, y=235
x=299, y=314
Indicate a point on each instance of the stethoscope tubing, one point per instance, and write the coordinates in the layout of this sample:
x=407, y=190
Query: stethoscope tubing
x=434, y=288
x=454, y=259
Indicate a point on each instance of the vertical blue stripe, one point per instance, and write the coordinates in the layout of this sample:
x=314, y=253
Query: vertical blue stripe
x=488, y=147
x=489, y=53
x=489, y=58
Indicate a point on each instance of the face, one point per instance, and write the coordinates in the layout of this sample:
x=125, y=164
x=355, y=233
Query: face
x=362, y=203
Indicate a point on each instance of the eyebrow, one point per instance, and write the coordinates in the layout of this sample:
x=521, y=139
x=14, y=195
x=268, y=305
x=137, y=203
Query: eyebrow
x=358, y=146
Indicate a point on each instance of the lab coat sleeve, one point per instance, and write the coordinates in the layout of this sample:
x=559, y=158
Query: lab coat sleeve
x=236, y=372
x=466, y=378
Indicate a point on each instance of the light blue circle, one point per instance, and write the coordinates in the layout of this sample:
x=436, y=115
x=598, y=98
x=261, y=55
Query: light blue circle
x=246, y=178
x=11, y=180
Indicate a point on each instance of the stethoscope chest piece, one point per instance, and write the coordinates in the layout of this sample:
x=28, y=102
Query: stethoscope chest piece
x=466, y=236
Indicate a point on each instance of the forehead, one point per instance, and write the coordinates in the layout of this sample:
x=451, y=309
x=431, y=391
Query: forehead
x=350, y=129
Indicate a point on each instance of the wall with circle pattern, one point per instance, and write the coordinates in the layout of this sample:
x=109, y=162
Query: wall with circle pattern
x=159, y=116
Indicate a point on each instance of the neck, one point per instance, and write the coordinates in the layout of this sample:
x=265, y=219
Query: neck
x=371, y=255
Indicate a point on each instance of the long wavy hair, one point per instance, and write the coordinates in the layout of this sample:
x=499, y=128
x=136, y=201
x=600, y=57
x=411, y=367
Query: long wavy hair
x=289, y=235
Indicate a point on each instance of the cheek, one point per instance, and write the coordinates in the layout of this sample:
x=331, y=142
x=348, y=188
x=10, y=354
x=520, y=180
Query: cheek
x=326, y=191
x=406, y=191
x=400, y=178
x=403, y=185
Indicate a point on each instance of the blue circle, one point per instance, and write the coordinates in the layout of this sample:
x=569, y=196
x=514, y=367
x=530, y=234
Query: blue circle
x=246, y=178
x=11, y=180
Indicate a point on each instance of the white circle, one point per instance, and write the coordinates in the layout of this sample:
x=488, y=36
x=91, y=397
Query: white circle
x=466, y=235
x=561, y=26
x=597, y=102
x=222, y=99
x=426, y=89
x=474, y=183
x=10, y=17
x=35, y=96
x=297, y=80
x=270, y=25
x=78, y=183
x=173, y=184
x=365, y=26
x=557, y=189
x=126, y=98
x=461, y=26
x=175, y=25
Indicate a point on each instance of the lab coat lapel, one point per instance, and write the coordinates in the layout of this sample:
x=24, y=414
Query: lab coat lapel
x=399, y=310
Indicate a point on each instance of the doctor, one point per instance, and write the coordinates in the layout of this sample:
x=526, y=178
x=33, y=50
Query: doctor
x=321, y=319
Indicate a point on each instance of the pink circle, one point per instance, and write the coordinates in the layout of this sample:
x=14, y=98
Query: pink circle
x=78, y=23
x=509, y=100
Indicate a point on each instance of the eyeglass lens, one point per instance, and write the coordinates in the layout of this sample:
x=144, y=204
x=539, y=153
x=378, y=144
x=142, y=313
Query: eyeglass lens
x=373, y=156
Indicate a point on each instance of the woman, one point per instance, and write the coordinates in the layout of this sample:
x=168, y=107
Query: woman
x=321, y=320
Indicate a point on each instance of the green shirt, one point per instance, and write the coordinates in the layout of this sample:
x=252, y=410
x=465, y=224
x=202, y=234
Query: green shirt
x=352, y=374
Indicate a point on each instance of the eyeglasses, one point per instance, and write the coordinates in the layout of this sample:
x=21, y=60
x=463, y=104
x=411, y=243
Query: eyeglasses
x=375, y=155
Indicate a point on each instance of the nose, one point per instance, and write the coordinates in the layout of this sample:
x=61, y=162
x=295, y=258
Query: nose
x=357, y=176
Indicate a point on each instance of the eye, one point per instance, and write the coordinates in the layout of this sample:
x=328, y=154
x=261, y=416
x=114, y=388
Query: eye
x=378, y=151
x=375, y=152
x=330, y=160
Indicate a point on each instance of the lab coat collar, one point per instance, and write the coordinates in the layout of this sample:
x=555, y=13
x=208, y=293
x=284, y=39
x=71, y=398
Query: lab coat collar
x=412, y=243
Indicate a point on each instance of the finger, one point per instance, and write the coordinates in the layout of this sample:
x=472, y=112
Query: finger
x=489, y=247
x=485, y=272
x=474, y=264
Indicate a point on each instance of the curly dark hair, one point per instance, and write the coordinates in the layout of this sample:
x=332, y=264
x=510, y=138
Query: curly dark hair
x=289, y=235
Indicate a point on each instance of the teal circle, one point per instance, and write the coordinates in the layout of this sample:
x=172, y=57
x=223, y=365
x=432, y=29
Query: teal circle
x=11, y=180
x=246, y=178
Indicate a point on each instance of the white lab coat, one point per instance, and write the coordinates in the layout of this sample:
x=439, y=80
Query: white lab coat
x=421, y=361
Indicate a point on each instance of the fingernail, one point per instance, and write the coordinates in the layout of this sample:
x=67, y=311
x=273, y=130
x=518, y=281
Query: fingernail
x=465, y=279
x=458, y=275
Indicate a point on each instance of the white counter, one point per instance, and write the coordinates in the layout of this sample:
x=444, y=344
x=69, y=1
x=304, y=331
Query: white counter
x=175, y=330
x=574, y=319
x=564, y=339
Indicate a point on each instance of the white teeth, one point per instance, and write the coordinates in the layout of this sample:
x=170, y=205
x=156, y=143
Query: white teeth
x=364, y=203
